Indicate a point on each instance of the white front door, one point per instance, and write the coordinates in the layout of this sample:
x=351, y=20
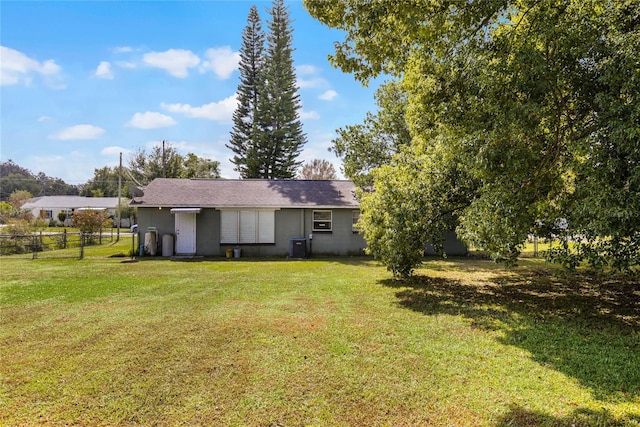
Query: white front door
x=185, y=233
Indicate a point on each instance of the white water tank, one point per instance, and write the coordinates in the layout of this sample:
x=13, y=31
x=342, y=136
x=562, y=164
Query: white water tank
x=167, y=245
x=150, y=243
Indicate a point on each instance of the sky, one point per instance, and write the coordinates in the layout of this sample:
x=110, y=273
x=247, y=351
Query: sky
x=83, y=81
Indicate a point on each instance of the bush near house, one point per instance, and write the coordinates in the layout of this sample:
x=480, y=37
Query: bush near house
x=91, y=222
x=62, y=217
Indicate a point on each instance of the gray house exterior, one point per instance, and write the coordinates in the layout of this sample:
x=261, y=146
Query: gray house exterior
x=206, y=217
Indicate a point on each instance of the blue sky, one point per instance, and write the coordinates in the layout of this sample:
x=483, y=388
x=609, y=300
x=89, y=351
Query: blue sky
x=82, y=81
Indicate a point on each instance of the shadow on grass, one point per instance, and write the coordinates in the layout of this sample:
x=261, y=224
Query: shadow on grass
x=584, y=327
x=581, y=417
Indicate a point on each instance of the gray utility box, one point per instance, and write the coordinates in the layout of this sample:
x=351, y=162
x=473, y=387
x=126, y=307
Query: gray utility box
x=298, y=248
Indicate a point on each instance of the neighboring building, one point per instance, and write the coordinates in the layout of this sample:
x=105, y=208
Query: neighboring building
x=48, y=207
x=207, y=217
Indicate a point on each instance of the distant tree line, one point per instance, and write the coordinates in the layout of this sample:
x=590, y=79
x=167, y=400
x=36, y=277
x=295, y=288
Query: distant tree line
x=142, y=168
x=14, y=177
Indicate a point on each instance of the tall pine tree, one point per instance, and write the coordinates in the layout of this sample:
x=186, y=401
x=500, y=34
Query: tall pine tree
x=282, y=135
x=267, y=136
x=244, y=139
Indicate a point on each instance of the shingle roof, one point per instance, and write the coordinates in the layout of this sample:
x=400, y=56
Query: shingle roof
x=71, y=202
x=233, y=193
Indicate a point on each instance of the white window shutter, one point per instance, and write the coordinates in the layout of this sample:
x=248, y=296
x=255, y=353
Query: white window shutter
x=229, y=227
x=247, y=226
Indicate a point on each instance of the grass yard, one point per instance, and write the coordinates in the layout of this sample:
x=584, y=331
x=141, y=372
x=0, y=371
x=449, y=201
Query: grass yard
x=320, y=342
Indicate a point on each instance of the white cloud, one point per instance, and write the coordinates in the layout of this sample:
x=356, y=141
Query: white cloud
x=328, y=95
x=45, y=119
x=220, y=111
x=49, y=67
x=309, y=115
x=78, y=132
x=307, y=69
x=150, y=120
x=126, y=64
x=104, y=71
x=17, y=68
x=115, y=151
x=175, y=61
x=312, y=79
x=122, y=49
x=312, y=82
x=58, y=166
x=49, y=159
x=222, y=61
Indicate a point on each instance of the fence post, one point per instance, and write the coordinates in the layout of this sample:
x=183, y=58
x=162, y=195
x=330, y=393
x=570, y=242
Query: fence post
x=34, y=242
x=64, y=239
x=81, y=245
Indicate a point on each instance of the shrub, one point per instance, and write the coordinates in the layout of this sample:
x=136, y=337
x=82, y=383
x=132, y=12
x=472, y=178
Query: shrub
x=91, y=222
x=17, y=238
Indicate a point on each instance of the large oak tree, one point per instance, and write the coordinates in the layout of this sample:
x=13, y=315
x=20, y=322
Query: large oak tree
x=521, y=112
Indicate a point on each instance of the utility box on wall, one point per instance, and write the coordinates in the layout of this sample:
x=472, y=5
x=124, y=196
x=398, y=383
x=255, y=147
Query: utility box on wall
x=298, y=248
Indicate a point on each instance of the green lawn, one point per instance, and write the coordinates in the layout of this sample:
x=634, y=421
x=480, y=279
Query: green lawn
x=102, y=341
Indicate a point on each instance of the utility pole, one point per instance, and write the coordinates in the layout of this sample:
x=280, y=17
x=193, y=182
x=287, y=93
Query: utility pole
x=119, y=198
x=164, y=172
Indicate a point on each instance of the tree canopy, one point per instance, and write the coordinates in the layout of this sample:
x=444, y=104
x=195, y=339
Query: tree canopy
x=520, y=112
x=14, y=178
x=366, y=146
x=317, y=169
x=104, y=183
x=165, y=162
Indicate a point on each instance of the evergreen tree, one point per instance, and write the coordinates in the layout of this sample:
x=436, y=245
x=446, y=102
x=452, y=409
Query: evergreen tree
x=267, y=134
x=243, y=141
x=281, y=136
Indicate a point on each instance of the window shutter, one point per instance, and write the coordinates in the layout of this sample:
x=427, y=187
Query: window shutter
x=247, y=226
x=229, y=227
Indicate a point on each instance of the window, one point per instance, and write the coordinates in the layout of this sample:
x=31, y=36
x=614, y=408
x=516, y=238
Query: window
x=355, y=215
x=321, y=220
x=48, y=214
x=247, y=226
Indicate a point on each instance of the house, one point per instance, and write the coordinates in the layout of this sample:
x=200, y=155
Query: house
x=260, y=217
x=297, y=218
x=48, y=207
